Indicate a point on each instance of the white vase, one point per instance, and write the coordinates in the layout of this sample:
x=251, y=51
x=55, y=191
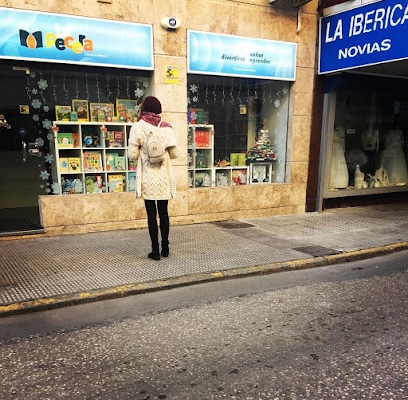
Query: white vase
x=358, y=178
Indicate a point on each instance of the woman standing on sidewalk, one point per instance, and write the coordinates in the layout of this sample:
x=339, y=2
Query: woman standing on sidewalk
x=154, y=181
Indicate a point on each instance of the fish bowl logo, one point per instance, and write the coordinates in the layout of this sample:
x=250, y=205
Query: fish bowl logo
x=37, y=40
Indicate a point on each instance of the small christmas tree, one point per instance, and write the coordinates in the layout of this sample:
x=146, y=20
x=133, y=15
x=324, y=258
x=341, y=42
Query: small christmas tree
x=263, y=149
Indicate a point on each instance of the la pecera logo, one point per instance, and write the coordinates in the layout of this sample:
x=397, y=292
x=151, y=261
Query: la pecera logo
x=36, y=40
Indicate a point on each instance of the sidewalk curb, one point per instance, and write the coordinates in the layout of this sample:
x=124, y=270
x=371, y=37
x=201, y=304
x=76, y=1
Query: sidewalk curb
x=65, y=300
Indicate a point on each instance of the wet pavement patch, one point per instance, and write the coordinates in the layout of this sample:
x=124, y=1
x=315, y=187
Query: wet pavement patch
x=317, y=251
x=232, y=224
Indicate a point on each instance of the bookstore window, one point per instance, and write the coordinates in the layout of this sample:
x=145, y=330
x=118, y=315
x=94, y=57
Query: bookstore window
x=370, y=141
x=247, y=127
x=72, y=112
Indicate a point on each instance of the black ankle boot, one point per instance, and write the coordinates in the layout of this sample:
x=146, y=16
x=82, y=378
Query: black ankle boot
x=154, y=255
x=165, y=249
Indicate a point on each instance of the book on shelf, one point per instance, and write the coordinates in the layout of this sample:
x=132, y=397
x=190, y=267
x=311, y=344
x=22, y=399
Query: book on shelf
x=93, y=184
x=132, y=165
x=93, y=161
x=120, y=163
x=63, y=165
x=238, y=159
x=202, y=179
x=115, y=183
x=75, y=139
x=110, y=160
x=221, y=178
x=114, y=139
x=131, y=182
x=71, y=186
x=202, y=137
x=65, y=140
x=239, y=176
x=74, y=164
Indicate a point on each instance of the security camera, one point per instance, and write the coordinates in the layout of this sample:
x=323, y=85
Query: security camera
x=170, y=22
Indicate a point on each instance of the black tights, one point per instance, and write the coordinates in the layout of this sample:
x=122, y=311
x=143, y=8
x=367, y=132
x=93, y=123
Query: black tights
x=152, y=208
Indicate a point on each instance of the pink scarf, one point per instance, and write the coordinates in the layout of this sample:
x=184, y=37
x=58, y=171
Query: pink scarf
x=153, y=119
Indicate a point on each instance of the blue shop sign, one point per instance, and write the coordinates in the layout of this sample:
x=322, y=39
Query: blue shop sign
x=373, y=34
x=37, y=36
x=227, y=55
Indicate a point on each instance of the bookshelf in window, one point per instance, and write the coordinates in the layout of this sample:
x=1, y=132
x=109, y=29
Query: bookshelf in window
x=91, y=157
x=200, y=146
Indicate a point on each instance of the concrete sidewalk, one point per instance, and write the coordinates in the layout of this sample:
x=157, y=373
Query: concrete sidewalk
x=47, y=272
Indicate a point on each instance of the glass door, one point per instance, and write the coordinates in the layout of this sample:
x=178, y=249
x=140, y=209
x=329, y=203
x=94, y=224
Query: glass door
x=21, y=160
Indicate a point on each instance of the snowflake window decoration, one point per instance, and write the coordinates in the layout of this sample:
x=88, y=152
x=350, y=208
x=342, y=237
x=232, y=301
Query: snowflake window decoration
x=42, y=84
x=39, y=142
x=47, y=124
x=139, y=93
x=36, y=103
x=56, y=188
x=193, y=88
x=44, y=175
x=49, y=158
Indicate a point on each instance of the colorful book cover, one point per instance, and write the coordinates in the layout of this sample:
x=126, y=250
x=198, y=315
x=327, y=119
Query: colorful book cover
x=65, y=140
x=239, y=176
x=120, y=163
x=63, y=165
x=62, y=113
x=238, y=159
x=132, y=165
x=115, y=183
x=74, y=164
x=202, y=137
x=75, y=139
x=110, y=161
x=131, y=182
x=71, y=186
x=221, y=178
x=94, y=184
x=93, y=161
x=202, y=179
x=114, y=139
x=119, y=139
x=109, y=138
x=242, y=159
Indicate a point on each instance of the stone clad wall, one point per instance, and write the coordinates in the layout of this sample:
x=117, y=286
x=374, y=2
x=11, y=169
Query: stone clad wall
x=251, y=18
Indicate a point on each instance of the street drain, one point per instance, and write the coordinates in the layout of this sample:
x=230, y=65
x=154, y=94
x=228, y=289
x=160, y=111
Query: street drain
x=317, y=251
x=232, y=224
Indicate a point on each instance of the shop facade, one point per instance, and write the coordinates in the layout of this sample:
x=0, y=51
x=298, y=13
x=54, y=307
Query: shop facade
x=363, y=74
x=242, y=117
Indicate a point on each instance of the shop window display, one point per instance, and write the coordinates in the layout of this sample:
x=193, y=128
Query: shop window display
x=370, y=141
x=60, y=93
x=249, y=120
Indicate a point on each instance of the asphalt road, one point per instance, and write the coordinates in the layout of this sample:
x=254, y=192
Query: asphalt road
x=331, y=332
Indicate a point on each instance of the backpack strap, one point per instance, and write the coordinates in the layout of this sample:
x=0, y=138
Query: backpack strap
x=151, y=133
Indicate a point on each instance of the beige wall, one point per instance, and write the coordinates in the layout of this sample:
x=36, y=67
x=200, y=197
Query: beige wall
x=252, y=18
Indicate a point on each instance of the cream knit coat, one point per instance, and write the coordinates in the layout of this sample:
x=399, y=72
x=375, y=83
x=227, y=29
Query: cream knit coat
x=153, y=181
